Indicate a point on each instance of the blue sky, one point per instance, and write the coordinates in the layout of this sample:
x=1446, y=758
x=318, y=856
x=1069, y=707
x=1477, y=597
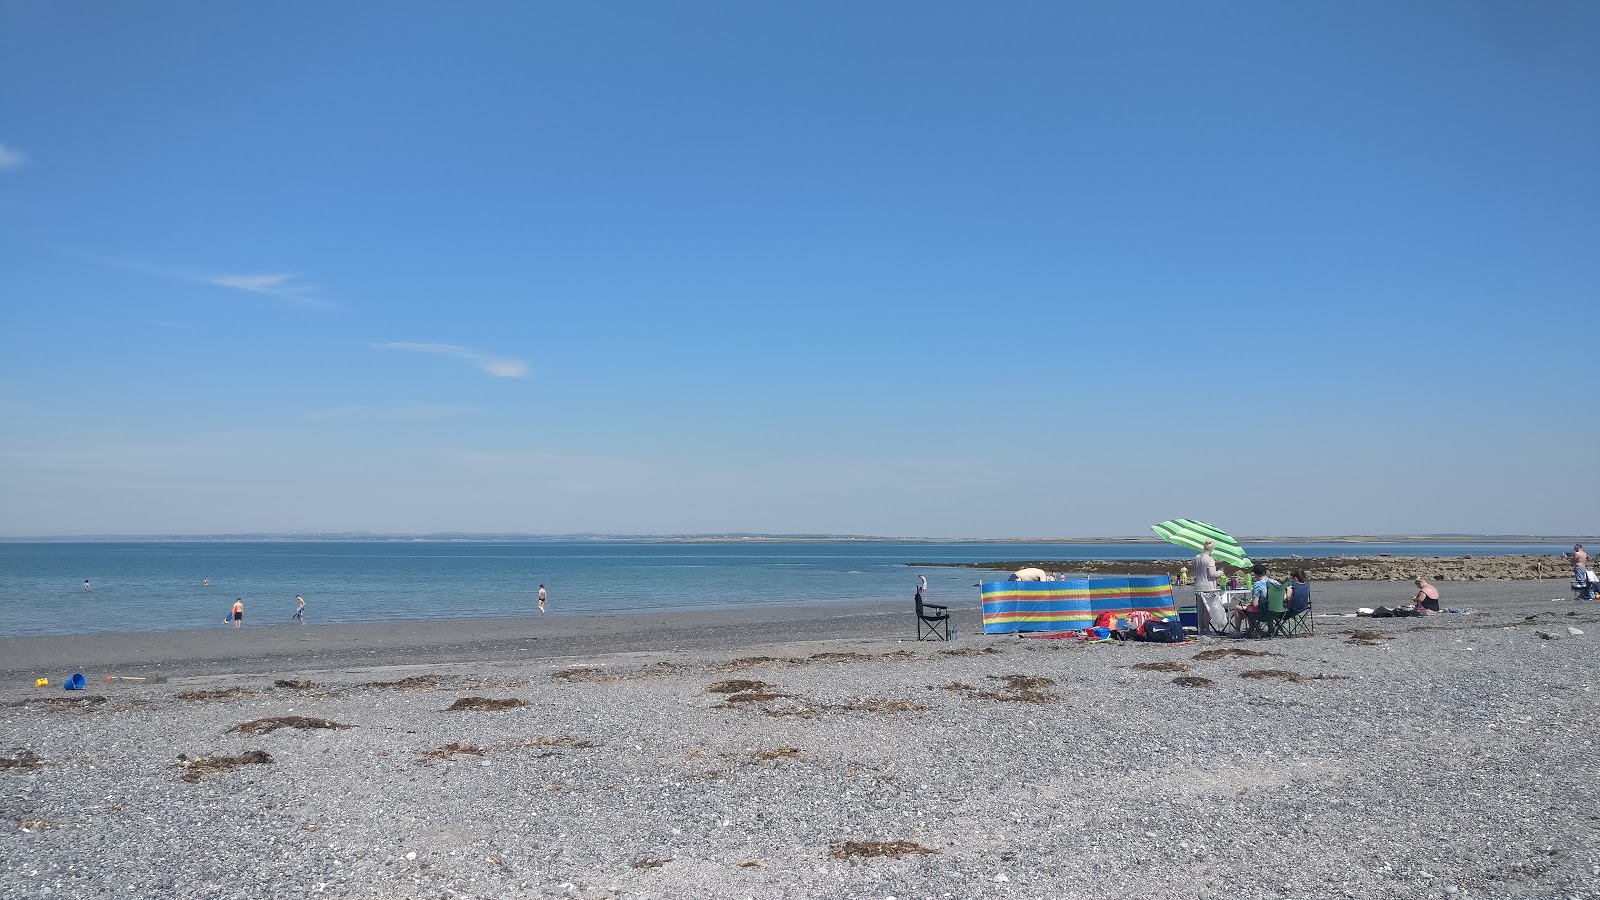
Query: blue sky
x=987, y=270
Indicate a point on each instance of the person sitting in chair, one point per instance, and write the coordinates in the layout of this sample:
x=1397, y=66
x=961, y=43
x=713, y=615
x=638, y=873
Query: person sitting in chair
x=1299, y=591
x=1258, y=596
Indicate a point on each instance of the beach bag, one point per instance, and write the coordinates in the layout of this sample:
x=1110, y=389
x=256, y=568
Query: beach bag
x=1163, y=631
x=1382, y=612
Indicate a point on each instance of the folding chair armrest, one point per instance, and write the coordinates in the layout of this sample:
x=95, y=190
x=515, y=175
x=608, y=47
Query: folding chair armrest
x=927, y=605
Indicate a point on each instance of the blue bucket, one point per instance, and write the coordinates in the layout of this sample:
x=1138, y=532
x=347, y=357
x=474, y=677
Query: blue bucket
x=76, y=682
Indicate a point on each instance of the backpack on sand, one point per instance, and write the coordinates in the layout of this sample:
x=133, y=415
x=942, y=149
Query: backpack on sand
x=1162, y=631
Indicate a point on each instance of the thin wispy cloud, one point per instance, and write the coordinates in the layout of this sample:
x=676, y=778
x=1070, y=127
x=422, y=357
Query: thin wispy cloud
x=282, y=285
x=11, y=157
x=484, y=362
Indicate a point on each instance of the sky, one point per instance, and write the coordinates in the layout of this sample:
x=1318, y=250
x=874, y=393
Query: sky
x=917, y=269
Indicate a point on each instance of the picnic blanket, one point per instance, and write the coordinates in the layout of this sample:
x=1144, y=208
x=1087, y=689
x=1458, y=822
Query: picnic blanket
x=1071, y=604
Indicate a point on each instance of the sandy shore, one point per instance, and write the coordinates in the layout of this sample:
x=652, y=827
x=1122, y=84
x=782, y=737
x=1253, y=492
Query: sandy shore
x=712, y=755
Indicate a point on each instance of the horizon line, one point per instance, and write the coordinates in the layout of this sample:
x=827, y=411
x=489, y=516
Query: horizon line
x=758, y=536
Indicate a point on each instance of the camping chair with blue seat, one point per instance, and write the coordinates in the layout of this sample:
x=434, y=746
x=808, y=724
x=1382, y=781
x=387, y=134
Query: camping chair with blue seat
x=1268, y=618
x=1297, y=620
x=933, y=620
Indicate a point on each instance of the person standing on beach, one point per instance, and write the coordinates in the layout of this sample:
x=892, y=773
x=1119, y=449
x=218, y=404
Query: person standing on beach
x=922, y=587
x=1580, y=561
x=300, y=609
x=1206, y=573
x=541, y=599
x=238, y=611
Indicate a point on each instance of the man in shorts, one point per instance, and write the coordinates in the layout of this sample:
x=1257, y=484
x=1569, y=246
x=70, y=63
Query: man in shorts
x=238, y=612
x=541, y=599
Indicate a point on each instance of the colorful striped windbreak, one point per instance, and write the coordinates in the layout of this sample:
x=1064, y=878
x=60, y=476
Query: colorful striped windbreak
x=1072, y=603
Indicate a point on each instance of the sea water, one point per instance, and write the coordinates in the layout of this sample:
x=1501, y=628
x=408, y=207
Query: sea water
x=159, y=585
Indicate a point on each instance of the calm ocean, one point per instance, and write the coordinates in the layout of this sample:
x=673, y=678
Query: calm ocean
x=158, y=585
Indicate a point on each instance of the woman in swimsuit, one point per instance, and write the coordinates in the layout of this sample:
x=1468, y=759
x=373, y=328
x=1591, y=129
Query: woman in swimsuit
x=1427, y=598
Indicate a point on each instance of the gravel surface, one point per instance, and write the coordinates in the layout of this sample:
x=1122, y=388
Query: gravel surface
x=1451, y=756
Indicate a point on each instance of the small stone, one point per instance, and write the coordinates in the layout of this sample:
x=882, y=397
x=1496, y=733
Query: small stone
x=411, y=854
x=1001, y=877
x=1571, y=630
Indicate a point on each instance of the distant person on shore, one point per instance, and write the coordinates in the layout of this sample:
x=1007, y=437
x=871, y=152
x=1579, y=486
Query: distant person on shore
x=300, y=609
x=238, y=611
x=922, y=586
x=86, y=589
x=1580, y=561
x=205, y=582
x=1207, y=608
x=1427, y=598
x=541, y=599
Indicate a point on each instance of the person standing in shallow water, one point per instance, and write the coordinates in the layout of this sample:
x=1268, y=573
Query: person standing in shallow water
x=86, y=587
x=300, y=609
x=238, y=612
x=541, y=599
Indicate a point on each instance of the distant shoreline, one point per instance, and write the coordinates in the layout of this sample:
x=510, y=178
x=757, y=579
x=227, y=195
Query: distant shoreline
x=445, y=538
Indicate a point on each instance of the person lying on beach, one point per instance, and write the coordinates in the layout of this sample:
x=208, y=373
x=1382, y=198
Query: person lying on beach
x=1427, y=598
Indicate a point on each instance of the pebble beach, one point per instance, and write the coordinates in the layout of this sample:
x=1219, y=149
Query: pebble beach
x=813, y=752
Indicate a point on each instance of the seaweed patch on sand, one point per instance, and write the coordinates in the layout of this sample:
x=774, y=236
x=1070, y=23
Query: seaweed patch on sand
x=868, y=849
x=1193, y=681
x=452, y=750
x=273, y=723
x=413, y=683
x=485, y=704
x=63, y=704
x=1291, y=677
x=198, y=767
x=1019, y=689
x=1225, y=652
x=26, y=760
x=218, y=694
x=1164, y=666
x=737, y=686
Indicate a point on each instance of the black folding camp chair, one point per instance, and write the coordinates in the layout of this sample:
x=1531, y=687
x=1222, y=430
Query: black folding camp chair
x=933, y=620
x=1270, y=614
x=1298, y=622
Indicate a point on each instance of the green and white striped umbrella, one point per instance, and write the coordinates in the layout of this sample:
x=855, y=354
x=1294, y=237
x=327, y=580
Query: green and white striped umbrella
x=1192, y=534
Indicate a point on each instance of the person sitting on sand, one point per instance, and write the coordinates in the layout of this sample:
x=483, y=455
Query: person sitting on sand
x=1427, y=598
